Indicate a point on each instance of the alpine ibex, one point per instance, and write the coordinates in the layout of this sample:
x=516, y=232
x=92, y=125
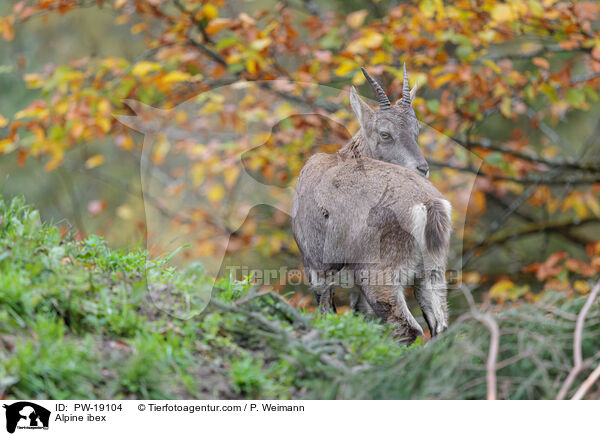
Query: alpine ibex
x=369, y=210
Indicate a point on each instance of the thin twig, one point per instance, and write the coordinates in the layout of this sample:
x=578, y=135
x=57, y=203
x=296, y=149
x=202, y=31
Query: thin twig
x=578, y=337
x=490, y=323
x=587, y=384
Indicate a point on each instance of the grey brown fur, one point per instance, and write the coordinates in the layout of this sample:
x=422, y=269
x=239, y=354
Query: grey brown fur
x=368, y=210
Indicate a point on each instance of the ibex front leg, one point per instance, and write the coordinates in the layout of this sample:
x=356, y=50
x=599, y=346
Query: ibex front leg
x=323, y=291
x=389, y=303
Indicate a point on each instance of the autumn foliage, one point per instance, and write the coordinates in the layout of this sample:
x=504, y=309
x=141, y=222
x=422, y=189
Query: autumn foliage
x=508, y=91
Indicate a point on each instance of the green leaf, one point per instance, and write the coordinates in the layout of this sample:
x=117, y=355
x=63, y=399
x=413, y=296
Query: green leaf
x=433, y=105
x=226, y=42
x=576, y=97
x=495, y=159
x=332, y=40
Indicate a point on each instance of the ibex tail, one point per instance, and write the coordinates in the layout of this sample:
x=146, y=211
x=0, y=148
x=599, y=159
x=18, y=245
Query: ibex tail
x=437, y=229
x=432, y=223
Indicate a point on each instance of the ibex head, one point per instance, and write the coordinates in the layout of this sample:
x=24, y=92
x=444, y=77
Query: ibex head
x=391, y=132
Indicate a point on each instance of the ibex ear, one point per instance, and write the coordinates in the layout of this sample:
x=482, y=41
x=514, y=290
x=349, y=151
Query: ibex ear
x=361, y=109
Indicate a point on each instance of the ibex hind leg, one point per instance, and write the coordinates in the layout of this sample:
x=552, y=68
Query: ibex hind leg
x=431, y=291
x=359, y=304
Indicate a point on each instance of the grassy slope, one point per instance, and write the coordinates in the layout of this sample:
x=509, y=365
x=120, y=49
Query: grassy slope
x=77, y=321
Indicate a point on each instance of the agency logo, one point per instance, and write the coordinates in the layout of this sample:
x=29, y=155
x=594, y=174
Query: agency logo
x=26, y=415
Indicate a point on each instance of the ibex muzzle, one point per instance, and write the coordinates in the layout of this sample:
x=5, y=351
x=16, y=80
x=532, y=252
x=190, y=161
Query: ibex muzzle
x=369, y=209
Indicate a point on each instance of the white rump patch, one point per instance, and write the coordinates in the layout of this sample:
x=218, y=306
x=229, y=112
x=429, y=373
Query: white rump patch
x=418, y=215
x=447, y=207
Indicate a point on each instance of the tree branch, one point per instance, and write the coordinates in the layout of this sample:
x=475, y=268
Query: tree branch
x=577, y=339
x=537, y=179
x=490, y=323
x=486, y=144
x=587, y=384
x=535, y=227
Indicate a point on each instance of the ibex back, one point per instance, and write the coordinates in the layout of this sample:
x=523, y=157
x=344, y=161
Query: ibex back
x=368, y=209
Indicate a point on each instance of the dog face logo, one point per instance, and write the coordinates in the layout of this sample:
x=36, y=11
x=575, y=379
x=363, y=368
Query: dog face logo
x=26, y=415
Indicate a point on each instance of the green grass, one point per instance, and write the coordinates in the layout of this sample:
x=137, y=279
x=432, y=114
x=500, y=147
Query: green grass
x=77, y=321
x=81, y=320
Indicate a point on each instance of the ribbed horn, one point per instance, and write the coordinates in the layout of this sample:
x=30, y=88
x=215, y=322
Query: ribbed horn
x=382, y=99
x=405, y=87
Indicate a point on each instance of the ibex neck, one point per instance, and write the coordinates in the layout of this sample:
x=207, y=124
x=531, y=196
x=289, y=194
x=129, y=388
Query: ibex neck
x=356, y=147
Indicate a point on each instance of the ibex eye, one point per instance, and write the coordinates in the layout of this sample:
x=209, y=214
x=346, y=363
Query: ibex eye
x=385, y=135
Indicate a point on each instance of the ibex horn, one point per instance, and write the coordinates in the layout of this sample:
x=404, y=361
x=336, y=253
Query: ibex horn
x=382, y=99
x=405, y=88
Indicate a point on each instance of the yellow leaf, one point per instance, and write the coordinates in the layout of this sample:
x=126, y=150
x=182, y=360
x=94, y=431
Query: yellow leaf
x=372, y=40
x=492, y=65
x=501, y=289
x=126, y=142
x=38, y=112
x=260, y=44
x=34, y=80
x=345, y=68
x=104, y=107
x=506, y=107
x=144, y=67
x=427, y=8
x=216, y=193
x=593, y=204
x=161, y=149
x=3, y=122
x=231, y=176
x=381, y=57
x=488, y=35
x=6, y=146
x=581, y=286
x=580, y=209
x=104, y=124
x=355, y=19
x=175, y=76
x=358, y=78
x=443, y=79
x=94, y=161
x=369, y=41
x=138, y=28
x=210, y=11
x=55, y=161
x=121, y=19
x=502, y=12
x=251, y=66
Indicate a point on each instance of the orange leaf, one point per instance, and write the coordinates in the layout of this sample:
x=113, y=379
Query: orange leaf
x=542, y=63
x=217, y=24
x=355, y=19
x=8, y=32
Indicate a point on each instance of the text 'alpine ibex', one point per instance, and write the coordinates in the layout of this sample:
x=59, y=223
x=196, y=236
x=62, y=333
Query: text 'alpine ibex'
x=368, y=210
